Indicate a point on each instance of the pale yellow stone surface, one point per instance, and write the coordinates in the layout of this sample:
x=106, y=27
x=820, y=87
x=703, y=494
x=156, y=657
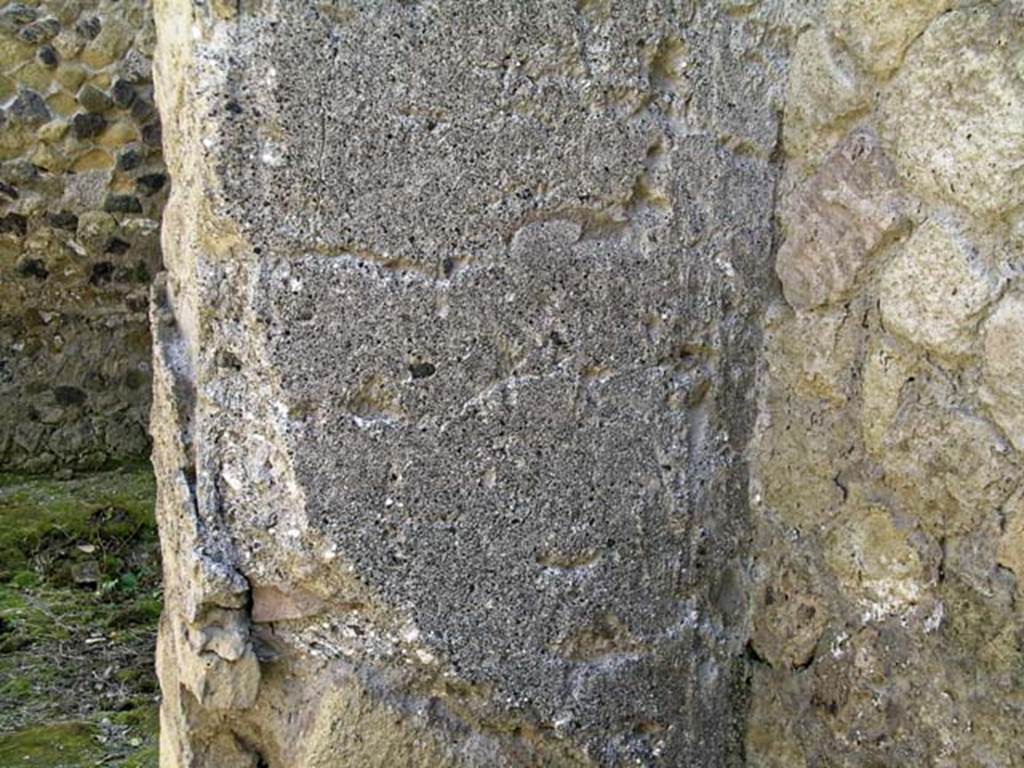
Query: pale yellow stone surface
x=102, y=79
x=35, y=76
x=1011, y=545
x=789, y=620
x=68, y=44
x=122, y=185
x=93, y=160
x=1004, y=367
x=821, y=348
x=70, y=75
x=118, y=134
x=951, y=468
x=954, y=114
x=48, y=157
x=879, y=31
x=874, y=560
x=53, y=131
x=934, y=289
x=62, y=103
x=821, y=96
x=13, y=50
x=14, y=139
x=96, y=226
x=7, y=87
x=886, y=371
x=109, y=45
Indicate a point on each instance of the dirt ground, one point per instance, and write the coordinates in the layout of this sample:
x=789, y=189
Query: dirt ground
x=79, y=603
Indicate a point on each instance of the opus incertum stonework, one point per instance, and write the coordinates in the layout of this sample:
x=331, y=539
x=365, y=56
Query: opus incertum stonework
x=559, y=382
x=82, y=184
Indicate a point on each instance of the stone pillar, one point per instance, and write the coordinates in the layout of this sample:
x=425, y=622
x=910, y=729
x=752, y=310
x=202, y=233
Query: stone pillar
x=454, y=364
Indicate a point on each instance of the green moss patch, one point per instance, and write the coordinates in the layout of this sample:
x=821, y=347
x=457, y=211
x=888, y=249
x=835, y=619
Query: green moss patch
x=64, y=745
x=80, y=599
x=102, y=509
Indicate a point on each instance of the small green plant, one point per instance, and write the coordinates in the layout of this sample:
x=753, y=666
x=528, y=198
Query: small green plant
x=25, y=579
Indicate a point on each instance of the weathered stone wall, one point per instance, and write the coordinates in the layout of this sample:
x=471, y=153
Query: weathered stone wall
x=487, y=436
x=455, y=372
x=81, y=189
x=888, y=627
